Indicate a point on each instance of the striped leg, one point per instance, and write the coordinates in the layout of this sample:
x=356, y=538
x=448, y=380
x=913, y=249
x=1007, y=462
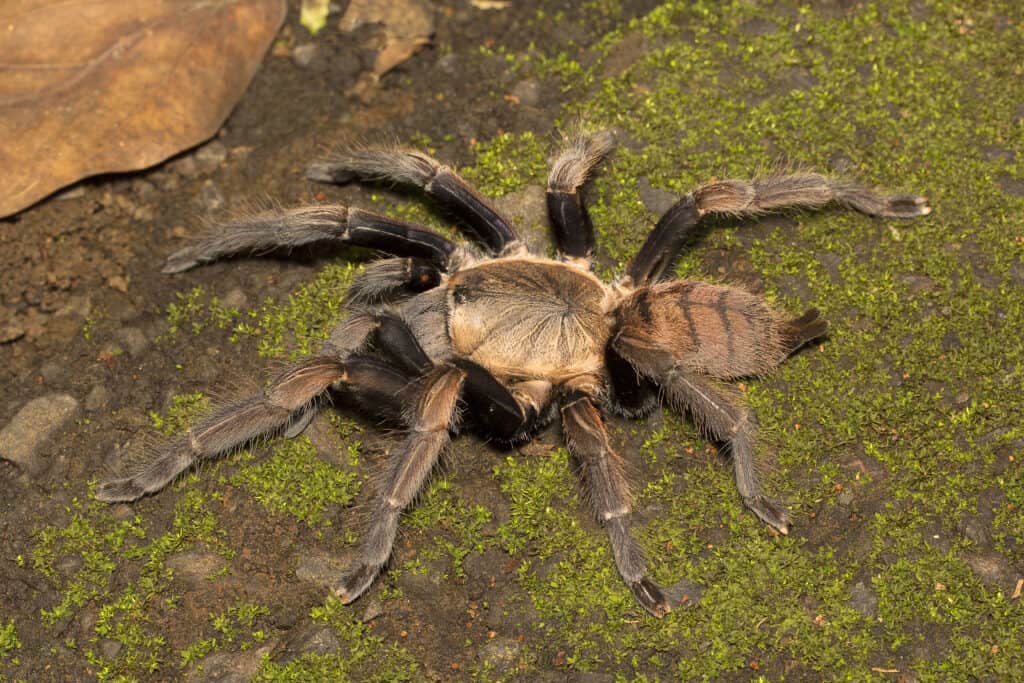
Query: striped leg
x=296, y=227
x=433, y=416
x=753, y=197
x=410, y=167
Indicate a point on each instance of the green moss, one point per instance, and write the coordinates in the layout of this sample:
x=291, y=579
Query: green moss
x=79, y=557
x=192, y=313
x=233, y=626
x=456, y=528
x=132, y=617
x=302, y=323
x=9, y=642
x=294, y=481
x=184, y=410
x=507, y=163
x=87, y=546
x=361, y=656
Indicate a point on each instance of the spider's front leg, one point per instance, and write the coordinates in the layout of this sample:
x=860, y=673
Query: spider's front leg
x=604, y=480
x=292, y=228
x=479, y=217
x=658, y=254
x=500, y=411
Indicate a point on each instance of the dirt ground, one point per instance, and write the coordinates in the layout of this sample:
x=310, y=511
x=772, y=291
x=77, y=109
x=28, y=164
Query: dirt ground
x=901, y=567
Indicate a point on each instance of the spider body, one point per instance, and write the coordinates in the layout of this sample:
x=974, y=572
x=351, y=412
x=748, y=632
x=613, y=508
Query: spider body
x=517, y=338
x=553, y=319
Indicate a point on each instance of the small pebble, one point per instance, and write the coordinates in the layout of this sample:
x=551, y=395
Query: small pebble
x=303, y=55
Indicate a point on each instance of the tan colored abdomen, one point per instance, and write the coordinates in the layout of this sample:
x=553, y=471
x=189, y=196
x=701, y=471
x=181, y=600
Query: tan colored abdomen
x=712, y=329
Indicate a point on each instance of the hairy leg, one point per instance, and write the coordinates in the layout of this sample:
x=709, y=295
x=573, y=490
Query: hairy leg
x=277, y=407
x=432, y=416
x=296, y=227
x=754, y=197
x=720, y=412
x=574, y=231
x=482, y=220
x=606, y=486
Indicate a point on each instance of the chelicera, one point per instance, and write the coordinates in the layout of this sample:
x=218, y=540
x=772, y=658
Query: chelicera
x=441, y=336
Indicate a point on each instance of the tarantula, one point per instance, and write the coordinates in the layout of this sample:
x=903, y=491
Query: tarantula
x=517, y=337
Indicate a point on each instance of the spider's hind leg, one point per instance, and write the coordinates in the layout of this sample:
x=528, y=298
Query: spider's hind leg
x=719, y=411
x=754, y=197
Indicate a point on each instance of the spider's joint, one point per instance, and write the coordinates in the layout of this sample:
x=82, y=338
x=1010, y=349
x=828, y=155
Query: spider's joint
x=193, y=442
x=614, y=514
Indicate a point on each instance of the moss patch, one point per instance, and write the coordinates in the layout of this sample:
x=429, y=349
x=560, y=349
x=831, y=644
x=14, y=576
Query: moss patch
x=361, y=657
x=295, y=482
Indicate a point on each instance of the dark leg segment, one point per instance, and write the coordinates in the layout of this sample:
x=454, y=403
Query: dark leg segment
x=606, y=486
x=719, y=411
x=574, y=231
x=376, y=389
x=284, y=401
x=398, y=342
x=632, y=394
x=286, y=229
x=501, y=413
x=433, y=414
x=508, y=415
x=660, y=250
x=428, y=174
x=753, y=197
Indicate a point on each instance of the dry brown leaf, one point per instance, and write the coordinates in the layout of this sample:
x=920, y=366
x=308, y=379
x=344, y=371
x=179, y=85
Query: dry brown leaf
x=408, y=25
x=101, y=86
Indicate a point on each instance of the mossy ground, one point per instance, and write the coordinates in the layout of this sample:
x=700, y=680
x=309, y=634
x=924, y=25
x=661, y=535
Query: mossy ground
x=897, y=443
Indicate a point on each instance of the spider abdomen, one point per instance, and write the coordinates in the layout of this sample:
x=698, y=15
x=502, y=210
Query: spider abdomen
x=716, y=330
x=529, y=318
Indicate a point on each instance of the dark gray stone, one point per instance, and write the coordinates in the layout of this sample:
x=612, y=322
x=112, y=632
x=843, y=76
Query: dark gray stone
x=656, y=201
x=528, y=92
x=320, y=570
x=864, y=599
x=315, y=639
